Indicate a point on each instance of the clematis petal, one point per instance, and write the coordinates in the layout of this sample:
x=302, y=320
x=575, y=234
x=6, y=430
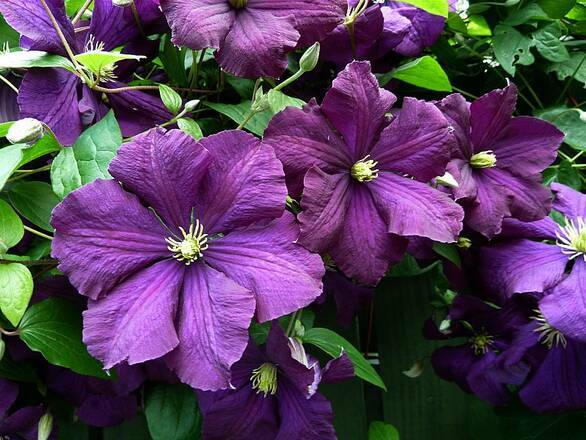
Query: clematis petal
x=103, y=410
x=50, y=95
x=309, y=419
x=265, y=259
x=100, y=244
x=212, y=18
x=559, y=384
x=484, y=381
x=135, y=321
x=453, y=363
x=526, y=146
x=350, y=297
x=245, y=182
x=464, y=175
x=303, y=139
x=137, y=111
x=490, y=114
x=338, y=370
x=564, y=307
x=90, y=107
x=412, y=208
x=164, y=168
x=357, y=88
x=417, y=142
x=325, y=201
x=116, y=25
x=8, y=395
x=242, y=413
x=23, y=423
x=213, y=321
x=30, y=19
x=364, y=249
x=545, y=229
x=521, y=266
x=568, y=201
x=457, y=111
x=257, y=44
x=396, y=28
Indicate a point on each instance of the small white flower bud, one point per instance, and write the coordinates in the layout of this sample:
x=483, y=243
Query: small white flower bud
x=310, y=58
x=25, y=131
x=122, y=3
x=191, y=105
x=45, y=426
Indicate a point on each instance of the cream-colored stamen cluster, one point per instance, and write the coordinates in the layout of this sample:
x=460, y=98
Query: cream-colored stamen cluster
x=572, y=238
x=481, y=343
x=548, y=335
x=264, y=379
x=484, y=159
x=364, y=170
x=190, y=248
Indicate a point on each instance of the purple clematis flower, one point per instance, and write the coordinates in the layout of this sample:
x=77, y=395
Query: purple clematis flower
x=362, y=175
x=252, y=37
x=498, y=159
x=538, y=267
x=382, y=27
x=183, y=279
x=21, y=423
x=275, y=394
x=473, y=365
x=58, y=97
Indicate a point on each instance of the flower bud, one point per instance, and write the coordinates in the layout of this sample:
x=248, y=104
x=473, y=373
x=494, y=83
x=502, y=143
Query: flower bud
x=45, y=426
x=464, y=243
x=310, y=58
x=444, y=327
x=122, y=3
x=415, y=371
x=447, y=180
x=25, y=131
x=191, y=105
x=261, y=102
x=484, y=159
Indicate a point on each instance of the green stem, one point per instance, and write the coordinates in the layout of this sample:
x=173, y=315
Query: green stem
x=39, y=233
x=49, y=262
x=537, y=100
x=247, y=119
x=9, y=84
x=463, y=92
x=9, y=333
x=290, y=80
x=81, y=11
x=291, y=325
x=569, y=82
x=137, y=18
x=26, y=173
x=60, y=34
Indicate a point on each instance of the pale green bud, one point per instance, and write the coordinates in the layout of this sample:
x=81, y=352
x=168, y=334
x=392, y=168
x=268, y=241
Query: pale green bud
x=444, y=326
x=310, y=58
x=484, y=159
x=447, y=180
x=191, y=105
x=464, y=243
x=25, y=131
x=261, y=102
x=45, y=426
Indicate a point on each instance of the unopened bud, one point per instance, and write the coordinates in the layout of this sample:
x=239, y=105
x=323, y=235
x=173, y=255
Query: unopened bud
x=122, y=3
x=415, y=371
x=447, y=180
x=484, y=159
x=45, y=426
x=449, y=296
x=464, y=243
x=191, y=105
x=261, y=102
x=444, y=327
x=310, y=58
x=25, y=131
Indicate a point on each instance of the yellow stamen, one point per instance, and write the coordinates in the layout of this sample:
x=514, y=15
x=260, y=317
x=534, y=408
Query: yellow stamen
x=364, y=170
x=264, y=379
x=190, y=248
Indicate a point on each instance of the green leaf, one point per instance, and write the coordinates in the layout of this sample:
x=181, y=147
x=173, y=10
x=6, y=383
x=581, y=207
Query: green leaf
x=531, y=12
x=424, y=72
x=278, y=101
x=575, y=68
x=170, y=98
x=35, y=202
x=11, y=228
x=548, y=44
x=19, y=372
x=571, y=121
x=238, y=112
x=382, y=431
x=477, y=26
x=449, y=252
x=436, y=7
x=97, y=61
x=189, y=126
x=10, y=158
x=33, y=58
x=7, y=34
x=512, y=47
x=564, y=174
x=88, y=158
x=16, y=289
x=172, y=412
x=334, y=344
x=53, y=328
x=46, y=145
x=556, y=8
x=5, y=126
x=173, y=60
x=72, y=6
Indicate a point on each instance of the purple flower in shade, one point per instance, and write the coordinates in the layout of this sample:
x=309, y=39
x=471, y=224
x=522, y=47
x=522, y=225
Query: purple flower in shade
x=541, y=268
x=21, y=423
x=498, y=159
x=183, y=279
x=380, y=29
x=57, y=96
x=362, y=174
x=252, y=37
x=350, y=297
x=275, y=394
x=488, y=330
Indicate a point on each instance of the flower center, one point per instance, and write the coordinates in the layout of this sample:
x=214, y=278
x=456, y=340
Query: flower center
x=481, y=342
x=484, y=159
x=238, y=4
x=190, y=248
x=364, y=170
x=572, y=238
x=548, y=335
x=264, y=379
